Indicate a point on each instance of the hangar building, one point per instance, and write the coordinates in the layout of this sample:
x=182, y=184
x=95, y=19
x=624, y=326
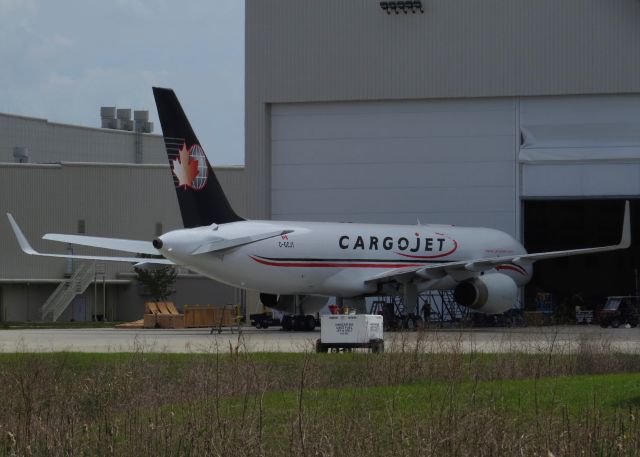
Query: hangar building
x=522, y=116
x=518, y=115
x=96, y=181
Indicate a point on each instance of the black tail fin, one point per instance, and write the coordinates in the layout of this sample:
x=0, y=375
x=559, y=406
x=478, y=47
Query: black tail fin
x=201, y=199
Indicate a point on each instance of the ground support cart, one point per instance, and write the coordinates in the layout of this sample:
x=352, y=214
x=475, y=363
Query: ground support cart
x=345, y=332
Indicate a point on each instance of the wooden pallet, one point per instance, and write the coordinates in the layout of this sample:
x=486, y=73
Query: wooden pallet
x=132, y=325
x=166, y=315
x=160, y=307
x=209, y=316
x=163, y=314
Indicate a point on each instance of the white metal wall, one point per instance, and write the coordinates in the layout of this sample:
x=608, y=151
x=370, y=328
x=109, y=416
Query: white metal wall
x=580, y=146
x=302, y=51
x=442, y=161
x=124, y=201
x=50, y=142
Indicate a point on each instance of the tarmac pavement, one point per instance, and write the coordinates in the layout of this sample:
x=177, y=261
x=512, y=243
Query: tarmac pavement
x=559, y=339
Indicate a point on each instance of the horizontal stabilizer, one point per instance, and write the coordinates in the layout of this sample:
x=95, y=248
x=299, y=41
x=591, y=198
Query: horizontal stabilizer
x=116, y=244
x=26, y=248
x=220, y=245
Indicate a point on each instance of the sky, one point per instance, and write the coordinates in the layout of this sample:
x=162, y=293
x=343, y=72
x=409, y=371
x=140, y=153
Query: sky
x=61, y=60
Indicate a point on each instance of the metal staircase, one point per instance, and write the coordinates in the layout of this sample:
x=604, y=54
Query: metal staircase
x=64, y=294
x=441, y=307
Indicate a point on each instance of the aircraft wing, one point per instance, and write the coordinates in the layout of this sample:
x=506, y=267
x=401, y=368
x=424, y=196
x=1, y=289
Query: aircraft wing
x=117, y=244
x=464, y=269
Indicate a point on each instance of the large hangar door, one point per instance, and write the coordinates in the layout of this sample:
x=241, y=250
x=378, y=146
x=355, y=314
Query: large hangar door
x=576, y=223
x=442, y=161
x=575, y=151
x=580, y=146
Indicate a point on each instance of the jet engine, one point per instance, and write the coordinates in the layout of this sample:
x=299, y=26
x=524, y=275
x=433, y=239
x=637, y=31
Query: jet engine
x=490, y=294
x=306, y=304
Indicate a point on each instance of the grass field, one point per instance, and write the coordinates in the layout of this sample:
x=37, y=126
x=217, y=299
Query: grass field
x=408, y=403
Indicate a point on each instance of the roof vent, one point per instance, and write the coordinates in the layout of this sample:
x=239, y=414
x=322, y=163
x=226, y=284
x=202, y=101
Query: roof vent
x=108, y=116
x=141, y=118
x=21, y=154
x=124, y=118
x=120, y=119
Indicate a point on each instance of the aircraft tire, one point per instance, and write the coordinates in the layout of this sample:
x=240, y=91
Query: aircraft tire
x=299, y=323
x=287, y=323
x=310, y=323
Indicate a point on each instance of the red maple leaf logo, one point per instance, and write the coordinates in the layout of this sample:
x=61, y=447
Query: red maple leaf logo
x=185, y=168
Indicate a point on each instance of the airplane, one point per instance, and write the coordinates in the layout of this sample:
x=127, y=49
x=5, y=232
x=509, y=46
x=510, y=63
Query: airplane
x=296, y=266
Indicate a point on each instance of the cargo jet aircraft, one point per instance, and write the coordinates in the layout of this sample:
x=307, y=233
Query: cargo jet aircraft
x=297, y=265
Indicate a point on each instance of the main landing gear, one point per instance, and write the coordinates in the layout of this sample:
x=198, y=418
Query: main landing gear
x=289, y=322
x=299, y=322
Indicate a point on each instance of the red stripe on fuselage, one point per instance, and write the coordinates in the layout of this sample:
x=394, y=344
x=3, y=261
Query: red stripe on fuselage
x=512, y=268
x=334, y=264
x=455, y=248
x=321, y=264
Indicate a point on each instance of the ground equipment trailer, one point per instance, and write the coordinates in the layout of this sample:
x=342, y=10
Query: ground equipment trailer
x=619, y=311
x=345, y=332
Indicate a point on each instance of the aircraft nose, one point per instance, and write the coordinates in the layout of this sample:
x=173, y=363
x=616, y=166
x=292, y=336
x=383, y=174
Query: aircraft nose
x=157, y=243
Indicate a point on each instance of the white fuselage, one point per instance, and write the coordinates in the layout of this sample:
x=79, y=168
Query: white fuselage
x=334, y=259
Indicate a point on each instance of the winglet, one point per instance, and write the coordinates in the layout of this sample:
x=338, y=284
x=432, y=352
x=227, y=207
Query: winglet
x=625, y=239
x=22, y=240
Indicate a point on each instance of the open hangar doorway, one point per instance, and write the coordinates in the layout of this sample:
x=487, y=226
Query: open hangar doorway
x=586, y=280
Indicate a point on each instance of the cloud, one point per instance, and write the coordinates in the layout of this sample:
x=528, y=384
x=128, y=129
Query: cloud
x=61, y=68
x=77, y=99
x=48, y=48
x=12, y=7
x=142, y=8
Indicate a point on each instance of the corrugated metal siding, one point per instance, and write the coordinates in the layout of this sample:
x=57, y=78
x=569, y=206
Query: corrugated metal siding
x=123, y=201
x=22, y=302
x=258, y=159
x=50, y=142
x=234, y=183
x=309, y=50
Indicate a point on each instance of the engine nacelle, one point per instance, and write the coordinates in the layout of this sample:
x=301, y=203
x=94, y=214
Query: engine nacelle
x=490, y=294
